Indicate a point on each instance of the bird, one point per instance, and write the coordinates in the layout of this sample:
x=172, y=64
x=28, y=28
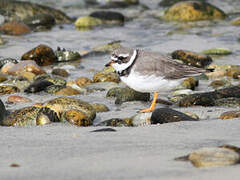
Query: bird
x=148, y=71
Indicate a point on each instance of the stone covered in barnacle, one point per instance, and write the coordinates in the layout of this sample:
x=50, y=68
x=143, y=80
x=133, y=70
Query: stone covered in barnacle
x=64, y=55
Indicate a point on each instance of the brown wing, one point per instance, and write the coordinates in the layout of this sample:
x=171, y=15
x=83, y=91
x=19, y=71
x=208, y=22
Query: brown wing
x=151, y=63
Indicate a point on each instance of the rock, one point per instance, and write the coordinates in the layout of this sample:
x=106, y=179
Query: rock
x=219, y=73
x=212, y=157
x=236, y=75
x=100, y=107
x=192, y=58
x=53, y=89
x=60, y=72
x=182, y=92
x=15, y=29
x=83, y=81
x=236, y=21
x=40, y=22
x=193, y=11
x=209, y=98
x=104, y=130
x=231, y=71
x=37, y=86
x=189, y=83
x=7, y=89
x=167, y=3
x=140, y=119
x=3, y=111
x=23, y=66
x=217, y=84
x=17, y=99
x=63, y=104
x=167, y=115
x=3, y=78
x=230, y=115
x=101, y=86
x=228, y=102
x=1, y=41
x=64, y=55
x=106, y=75
x=87, y=22
x=28, y=75
x=217, y=51
x=68, y=91
x=42, y=55
x=106, y=4
x=127, y=94
x=4, y=61
x=115, y=122
x=109, y=17
x=55, y=80
x=77, y=117
x=18, y=11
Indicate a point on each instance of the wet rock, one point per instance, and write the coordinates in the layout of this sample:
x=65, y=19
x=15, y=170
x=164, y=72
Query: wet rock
x=114, y=122
x=3, y=78
x=60, y=72
x=83, y=81
x=64, y=55
x=53, y=89
x=55, y=80
x=193, y=11
x=217, y=84
x=77, y=117
x=17, y=99
x=236, y=75
x=23, y=66
x=189, y=83
x=4, y=61
x=87, y=22
x=37, y=86
x=140, y=119
x=68, y=91
x=8, y=89
x=209, y=98
x=106, y=75
x=18, y=11
x=219, y=73
x=230, y=115
x=100, y=107
x=101, y=86
x=167, y=115
x=217, y=51
x=104, y=130
x=192, y=58
x=109, y=17
x=40, y=22
x=167, y=3
x=212, y=157
x=42, y=55
x=127, y=94
x=63, y=104
x=231, y=71
x=3, y=111
x=28, y=75
x=236, y=21
x=15, y=29
x=228, y=102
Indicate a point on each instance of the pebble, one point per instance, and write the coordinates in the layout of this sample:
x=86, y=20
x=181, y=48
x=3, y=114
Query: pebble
x=17, y=99
x=15, y=29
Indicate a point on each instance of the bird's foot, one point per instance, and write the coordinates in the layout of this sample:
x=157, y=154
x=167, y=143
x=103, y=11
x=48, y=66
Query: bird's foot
x=147, y=110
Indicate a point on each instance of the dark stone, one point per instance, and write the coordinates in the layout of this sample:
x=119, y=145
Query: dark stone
x=40, y=21
x=192, y=58
x=2, y=111
x=60, y=72
x=38, y=86
x=42, y=55
x=52, y=89
x=167, y=115
x=104, y=130
x=108, y=16
x=127, y=94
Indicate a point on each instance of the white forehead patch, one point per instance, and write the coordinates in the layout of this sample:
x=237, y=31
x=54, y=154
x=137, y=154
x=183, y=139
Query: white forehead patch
x=114, y=58
x=123, y=55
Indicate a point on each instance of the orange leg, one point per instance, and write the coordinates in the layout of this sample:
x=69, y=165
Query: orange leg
x=152, y=107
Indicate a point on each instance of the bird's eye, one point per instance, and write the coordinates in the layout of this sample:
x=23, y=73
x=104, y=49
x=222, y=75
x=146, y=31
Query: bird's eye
x=120, y=58
x=119, y=61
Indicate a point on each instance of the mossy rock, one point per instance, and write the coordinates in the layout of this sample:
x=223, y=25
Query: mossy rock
x=87, y=22
x=217, y=51
x=193, y=11
x=106, y=75
x=230, y=115
x=167, y=3
x=8, y=89
x=236, y=22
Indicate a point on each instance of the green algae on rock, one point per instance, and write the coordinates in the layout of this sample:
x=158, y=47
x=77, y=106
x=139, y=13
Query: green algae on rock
x=192, y=58
x=193, y=11
x=87, y=22
x=217, y=51
x=127, y=94
x=8, y=89
x=106, y=75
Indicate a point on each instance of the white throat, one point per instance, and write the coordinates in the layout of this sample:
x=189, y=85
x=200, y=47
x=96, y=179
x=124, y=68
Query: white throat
x=123, y=66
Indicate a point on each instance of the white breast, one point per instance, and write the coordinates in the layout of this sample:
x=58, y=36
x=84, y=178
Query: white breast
x=152, y=83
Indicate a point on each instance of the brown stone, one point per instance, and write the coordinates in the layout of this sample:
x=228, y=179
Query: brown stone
x=17, y=99
x=68, y=91
x=100, y=107
x=3, y=78
x=83, y=81
x=22, y=66
x=230, y=115
x=42, y=55
x=77, y=117
x=60, y=72
x=15, y=28
x=7, y=89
